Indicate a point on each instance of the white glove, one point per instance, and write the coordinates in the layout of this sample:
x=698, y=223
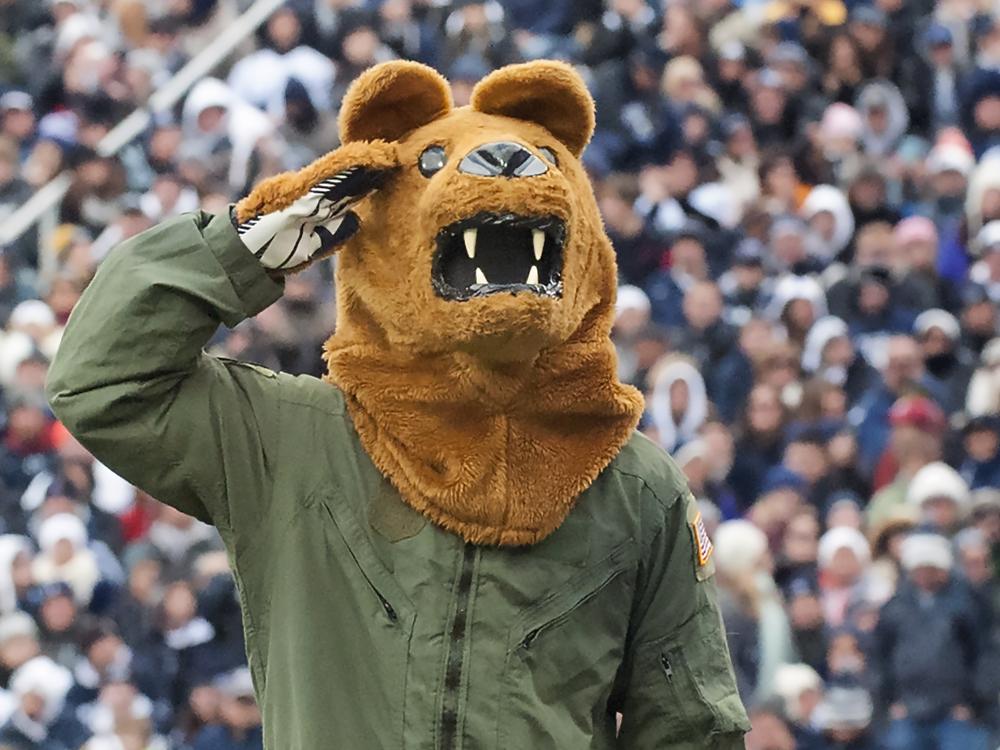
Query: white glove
x=313, y=224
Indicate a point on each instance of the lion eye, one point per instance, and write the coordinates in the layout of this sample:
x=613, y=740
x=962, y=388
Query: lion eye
x=432, y=160
x=549, y=154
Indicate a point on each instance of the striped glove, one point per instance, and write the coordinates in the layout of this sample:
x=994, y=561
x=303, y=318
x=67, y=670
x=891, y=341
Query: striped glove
x=313, y=225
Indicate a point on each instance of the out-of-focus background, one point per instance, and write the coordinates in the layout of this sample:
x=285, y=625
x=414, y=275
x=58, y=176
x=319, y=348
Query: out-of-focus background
x=804, y=197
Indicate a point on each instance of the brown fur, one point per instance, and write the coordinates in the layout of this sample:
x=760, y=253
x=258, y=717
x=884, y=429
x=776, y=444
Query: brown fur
x=489, y=416
x=389, y=101
x=547, y=92
x=280, y=191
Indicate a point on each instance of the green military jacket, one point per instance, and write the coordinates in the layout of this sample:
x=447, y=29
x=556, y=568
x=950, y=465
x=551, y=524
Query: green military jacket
x=366, y=626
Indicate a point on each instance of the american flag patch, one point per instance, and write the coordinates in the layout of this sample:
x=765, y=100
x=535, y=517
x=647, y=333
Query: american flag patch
x=703, y=546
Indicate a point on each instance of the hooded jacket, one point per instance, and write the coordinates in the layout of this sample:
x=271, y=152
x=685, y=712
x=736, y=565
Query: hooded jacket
x=672, y=433
x=243, y=126
x=884, y=95
x=827, y=198
x=854, y=378
x=54, y=728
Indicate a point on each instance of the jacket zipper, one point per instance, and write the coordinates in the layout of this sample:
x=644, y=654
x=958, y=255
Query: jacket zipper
x=389, y=610
x=668, y=670
x=456, y=651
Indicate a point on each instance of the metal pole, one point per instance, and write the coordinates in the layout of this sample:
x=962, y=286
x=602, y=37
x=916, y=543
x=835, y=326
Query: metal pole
x=24, y=218
x=49, y=195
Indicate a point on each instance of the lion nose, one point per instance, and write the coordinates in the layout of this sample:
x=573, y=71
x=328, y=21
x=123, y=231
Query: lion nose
x=502, y=159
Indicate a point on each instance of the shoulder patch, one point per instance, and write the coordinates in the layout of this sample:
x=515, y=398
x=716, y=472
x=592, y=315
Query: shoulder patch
x=703, y=545
x=704, y=566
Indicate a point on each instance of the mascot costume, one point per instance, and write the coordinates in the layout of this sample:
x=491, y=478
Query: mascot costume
x=456, y=539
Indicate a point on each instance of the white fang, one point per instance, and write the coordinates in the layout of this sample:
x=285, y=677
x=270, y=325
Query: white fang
x=538, y=239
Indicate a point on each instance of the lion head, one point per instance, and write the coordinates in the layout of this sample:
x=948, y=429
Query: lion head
x=475, y=302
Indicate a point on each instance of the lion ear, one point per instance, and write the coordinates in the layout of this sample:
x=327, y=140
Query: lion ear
x=389, y=100
x=545, y=92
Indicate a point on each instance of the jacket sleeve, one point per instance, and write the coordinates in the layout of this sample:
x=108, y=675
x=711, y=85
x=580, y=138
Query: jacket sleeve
x=677, y=683
x=131, y=382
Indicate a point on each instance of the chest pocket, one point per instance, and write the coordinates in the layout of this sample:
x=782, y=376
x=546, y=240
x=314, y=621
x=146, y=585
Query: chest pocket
x=563, y=653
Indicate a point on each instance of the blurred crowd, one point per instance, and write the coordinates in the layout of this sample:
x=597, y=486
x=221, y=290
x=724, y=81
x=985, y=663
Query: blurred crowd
x=804, y=198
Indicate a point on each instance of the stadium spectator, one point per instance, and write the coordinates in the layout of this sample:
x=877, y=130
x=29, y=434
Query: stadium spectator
x=930, y=642
x=239, y=718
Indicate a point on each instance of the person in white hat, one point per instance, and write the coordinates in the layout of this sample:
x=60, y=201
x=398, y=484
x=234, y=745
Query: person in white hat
x=17, y=117
x=757, y=626
x=18, y=645
x=18, y=641
x=845, y=716
x=947, y=362
x=240, y=718
x=949, y=166
x=632, y=315
x=940, y=495
x=843, y=558
x=41, y=720
x=801, y=689
x=929, y=643
x=65, y=555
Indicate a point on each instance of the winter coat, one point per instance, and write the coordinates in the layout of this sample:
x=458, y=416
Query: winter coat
x=66, y=734
x=218, y=737
x=951, y=372
x=928, y=651
x=753, y=458
x=366, y=625
x=708, y=347
x=666, y=296
x=981, y=474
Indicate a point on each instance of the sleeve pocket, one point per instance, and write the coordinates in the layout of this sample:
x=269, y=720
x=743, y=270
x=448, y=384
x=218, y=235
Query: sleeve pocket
x=701, y=671
x=682, y=691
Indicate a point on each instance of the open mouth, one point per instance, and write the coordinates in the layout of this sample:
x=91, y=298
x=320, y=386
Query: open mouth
x=492, y=252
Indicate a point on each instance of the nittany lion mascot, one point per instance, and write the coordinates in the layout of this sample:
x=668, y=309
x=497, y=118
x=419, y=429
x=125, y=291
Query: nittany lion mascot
x=456, y=539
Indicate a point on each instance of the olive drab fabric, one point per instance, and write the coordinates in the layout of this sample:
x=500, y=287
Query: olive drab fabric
x=367, y=626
